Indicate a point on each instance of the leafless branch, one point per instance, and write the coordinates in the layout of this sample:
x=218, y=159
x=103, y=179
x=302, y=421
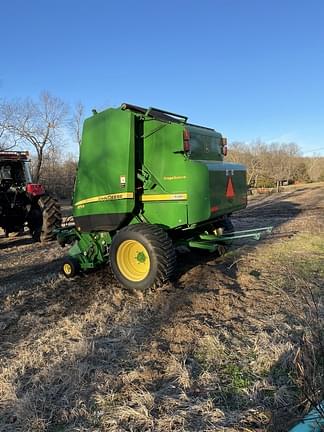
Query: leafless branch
x=37, y=124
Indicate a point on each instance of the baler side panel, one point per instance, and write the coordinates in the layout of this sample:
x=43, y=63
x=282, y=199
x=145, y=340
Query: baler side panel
x=164, y=199
x=198, y=191
x=105, y=185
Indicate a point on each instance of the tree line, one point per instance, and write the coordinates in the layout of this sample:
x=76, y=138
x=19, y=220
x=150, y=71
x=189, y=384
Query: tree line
x=47, y=124
x=270, y=165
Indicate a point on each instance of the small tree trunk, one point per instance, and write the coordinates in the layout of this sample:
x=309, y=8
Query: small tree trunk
x=278, y=186
x=38, y=165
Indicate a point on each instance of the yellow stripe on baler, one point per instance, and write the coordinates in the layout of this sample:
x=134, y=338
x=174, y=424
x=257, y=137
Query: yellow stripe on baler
x=109, y=197
x=130, y=195
x=165, y=197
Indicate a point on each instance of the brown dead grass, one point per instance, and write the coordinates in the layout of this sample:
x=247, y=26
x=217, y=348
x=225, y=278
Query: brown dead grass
x=235, y=344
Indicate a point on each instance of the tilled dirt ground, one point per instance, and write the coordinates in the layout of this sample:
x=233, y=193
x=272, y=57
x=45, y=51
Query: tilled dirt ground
x=214, y=350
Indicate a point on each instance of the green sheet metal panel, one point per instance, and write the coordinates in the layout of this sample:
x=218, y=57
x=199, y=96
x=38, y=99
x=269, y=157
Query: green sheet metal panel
x=178, y=189
x=225, y=197
x=198, y=191
x=105, y=184
x=164, y=198
x=201, y=184
x=223, y=189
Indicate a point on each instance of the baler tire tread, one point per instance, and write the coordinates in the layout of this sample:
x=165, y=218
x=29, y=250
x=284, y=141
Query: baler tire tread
x=74, y=267
x=163, y=254
x=169, y=257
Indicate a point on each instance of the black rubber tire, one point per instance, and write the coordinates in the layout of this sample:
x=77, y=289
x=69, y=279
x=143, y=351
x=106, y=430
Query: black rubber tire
x=160, y=251
x=44, y=217
x=70, y=267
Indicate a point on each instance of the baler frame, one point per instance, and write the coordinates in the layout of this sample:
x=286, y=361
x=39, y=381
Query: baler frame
x=91, y=250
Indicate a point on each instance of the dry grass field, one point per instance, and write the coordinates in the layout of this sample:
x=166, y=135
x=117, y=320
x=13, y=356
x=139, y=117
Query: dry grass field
x=235, y=343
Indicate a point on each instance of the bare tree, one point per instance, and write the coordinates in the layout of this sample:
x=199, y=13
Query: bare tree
x=251, y=155
x=37, y=124
x=272, y=163
x=77, y=122
x=7, y=138
x=279, y=160
x=58, y=173
x=293, y=154
x=315, y=167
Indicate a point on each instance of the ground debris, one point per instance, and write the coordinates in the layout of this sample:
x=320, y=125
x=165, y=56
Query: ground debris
x=234, y=344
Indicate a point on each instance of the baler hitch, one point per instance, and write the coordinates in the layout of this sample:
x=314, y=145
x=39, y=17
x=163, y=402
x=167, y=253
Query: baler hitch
x=211, y=241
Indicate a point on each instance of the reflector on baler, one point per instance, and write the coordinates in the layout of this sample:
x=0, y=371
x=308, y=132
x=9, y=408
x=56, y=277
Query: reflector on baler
x=230, y=193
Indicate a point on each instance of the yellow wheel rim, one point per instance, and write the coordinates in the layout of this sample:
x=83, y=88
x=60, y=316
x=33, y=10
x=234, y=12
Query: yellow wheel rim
x=67, y=269
x=133, y=260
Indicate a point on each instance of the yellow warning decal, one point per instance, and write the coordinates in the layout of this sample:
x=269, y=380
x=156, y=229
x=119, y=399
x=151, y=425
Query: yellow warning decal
x=165, y=197
x=110, y=197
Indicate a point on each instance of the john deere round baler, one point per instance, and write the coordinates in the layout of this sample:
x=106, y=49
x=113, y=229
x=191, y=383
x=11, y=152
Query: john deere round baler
x=149, y=182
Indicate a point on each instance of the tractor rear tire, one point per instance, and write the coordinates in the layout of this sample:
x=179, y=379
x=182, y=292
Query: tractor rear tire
x=44, y=217
x=142, y=256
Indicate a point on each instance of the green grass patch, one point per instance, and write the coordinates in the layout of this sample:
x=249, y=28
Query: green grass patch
x=239, y=378
x=298, y=259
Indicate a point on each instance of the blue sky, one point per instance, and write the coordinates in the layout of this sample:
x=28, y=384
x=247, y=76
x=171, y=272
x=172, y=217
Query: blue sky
x=249, y=68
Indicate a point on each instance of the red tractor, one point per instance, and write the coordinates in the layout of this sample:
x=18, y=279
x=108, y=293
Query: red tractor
x=23, y=202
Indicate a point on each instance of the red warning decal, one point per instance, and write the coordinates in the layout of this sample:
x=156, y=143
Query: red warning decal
x=230, y=193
